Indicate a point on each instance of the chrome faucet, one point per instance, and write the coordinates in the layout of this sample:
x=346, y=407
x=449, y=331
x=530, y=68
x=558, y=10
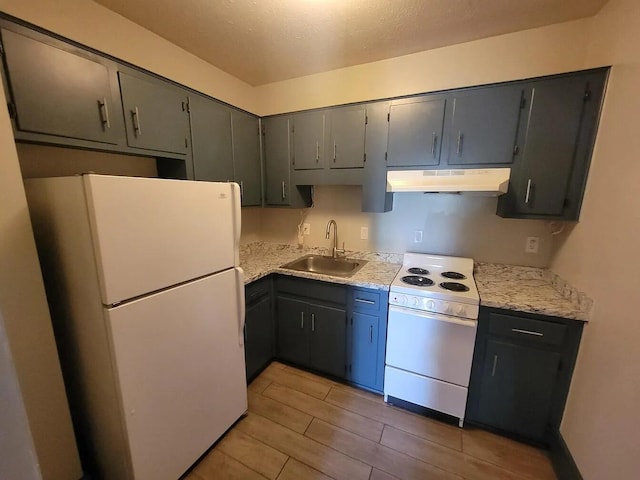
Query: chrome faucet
x=327, y=234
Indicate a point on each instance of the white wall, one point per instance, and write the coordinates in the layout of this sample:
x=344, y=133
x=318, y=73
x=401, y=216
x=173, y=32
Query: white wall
x=451, y=225
x=601, y=424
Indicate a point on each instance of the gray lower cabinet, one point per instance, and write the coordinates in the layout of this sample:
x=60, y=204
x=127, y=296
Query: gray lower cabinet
x=347, y=136
x=483, y=124
x=293, y=336
x=415, y=131
x=522, y=368
x=211, y=139
x=155, y=114
x=277, y=157
x=367, y=337
x=56, y=91
x=259, y=346
x=247, y=170
x=560, y=122
x=308, y=134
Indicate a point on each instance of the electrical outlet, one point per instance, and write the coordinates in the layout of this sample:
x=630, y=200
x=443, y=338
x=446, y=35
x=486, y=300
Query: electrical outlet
x=417, y=236
x=532, y=245
x=364, y=233
x=306, y=229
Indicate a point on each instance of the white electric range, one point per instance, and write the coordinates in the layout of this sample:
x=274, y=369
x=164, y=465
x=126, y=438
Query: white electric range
x=433, y=311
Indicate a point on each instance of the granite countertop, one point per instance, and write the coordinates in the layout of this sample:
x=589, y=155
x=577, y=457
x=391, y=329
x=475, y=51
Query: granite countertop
x=259, y=259
x=511, y=287
x=529, y=289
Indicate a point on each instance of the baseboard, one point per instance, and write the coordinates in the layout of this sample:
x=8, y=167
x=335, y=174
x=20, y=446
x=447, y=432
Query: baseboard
x=563, y=463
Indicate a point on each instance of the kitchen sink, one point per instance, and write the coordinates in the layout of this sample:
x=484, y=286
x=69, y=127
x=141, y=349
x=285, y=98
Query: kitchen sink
x=339, y=267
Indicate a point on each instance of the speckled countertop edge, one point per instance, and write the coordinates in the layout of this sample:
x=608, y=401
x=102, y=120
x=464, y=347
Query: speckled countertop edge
x=260, y=259
x=510, y=287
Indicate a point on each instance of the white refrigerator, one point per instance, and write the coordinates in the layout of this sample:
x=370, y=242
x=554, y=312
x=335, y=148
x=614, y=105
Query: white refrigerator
x=147, y=300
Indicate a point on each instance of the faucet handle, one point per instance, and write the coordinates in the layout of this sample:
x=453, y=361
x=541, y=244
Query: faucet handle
x=340, y=250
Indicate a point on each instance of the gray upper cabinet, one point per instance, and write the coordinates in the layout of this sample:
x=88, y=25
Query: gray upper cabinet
x=211, y=139
x=308, y=140
x=415, y=131
x=277, y=153
x=483, y=125
x=155, y=114
x=56, y=92
x=559, y=126
x=246, y=157
x=347, y=138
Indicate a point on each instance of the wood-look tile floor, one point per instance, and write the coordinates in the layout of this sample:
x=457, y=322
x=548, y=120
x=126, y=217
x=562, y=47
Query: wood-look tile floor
x=301, y=426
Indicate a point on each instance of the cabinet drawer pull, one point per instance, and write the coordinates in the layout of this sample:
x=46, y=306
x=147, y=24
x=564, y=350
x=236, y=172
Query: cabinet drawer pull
x=301, y=319
x=527, y=196
x=313, y=322
x=241, y=189
x=334, y=152
x=104, y=112
x=527, y=332
x=495, y=362
x=283, y=192
x=370, y=333
x=460, y=143
x=362, y=300
x=317, y=151
x=434, y=141
x=135, y=115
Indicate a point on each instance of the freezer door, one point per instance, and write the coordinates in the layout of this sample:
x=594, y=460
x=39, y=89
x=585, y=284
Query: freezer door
x=151, y=233
x=181, y=372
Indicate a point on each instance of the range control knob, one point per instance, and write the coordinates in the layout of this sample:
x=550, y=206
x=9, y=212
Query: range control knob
x=431, y=305
x=448, y=309
x=461, y=311
x=402, y=300
x=416, y=302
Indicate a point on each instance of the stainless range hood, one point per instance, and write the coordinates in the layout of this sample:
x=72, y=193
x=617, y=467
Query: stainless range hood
x=487, y=181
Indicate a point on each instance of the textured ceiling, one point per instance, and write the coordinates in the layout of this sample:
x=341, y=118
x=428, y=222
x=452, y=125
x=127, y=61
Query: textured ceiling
x=263, y=41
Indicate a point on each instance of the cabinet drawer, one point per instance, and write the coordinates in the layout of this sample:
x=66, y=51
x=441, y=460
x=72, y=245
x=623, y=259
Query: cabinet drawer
x=537, y=331
x=256, y=290
x=365, y=300
x=313, y=289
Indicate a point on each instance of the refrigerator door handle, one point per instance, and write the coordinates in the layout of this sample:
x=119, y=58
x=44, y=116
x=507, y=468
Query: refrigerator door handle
x=241, y=304
x=237, y=220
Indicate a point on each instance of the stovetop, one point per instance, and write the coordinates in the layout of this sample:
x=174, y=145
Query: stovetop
x=437, y=284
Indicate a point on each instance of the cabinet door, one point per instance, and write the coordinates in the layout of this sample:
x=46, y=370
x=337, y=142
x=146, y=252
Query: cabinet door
x=308, y=141
x=347, y=137
x=517, y=388
x=277, y=154
x=56, y=92
x=155, y=114
x=211, y=140
x=415, y=132
x=328, y=340
x=294, y=323
x=555, y=113
x=246, y=157
x=483, y=126
x=364, y=349
x=258, y=336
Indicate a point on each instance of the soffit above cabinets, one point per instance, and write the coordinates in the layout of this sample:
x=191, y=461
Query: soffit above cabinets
x=264, y=41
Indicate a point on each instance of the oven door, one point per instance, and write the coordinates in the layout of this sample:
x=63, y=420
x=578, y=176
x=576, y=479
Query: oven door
x=432, y=345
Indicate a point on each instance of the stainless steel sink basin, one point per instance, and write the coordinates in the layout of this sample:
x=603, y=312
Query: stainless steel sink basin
x=339, y=267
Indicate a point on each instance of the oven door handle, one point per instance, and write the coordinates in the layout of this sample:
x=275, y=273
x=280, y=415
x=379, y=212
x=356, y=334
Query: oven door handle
x=466, y=322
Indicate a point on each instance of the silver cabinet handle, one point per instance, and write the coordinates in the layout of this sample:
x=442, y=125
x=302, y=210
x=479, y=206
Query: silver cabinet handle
x=241, y=189
x=527, y=197
x=104, y=112
x=284, y=195
x=460, y=142
x=313, y=322
x=434, y=140
x=334, y=152
x=370, y=333
x=301, y=319
x=317, y=151
x=527, y=332
x=245, y=331
x=362, y=300
x=495, y=362
x=135, y=115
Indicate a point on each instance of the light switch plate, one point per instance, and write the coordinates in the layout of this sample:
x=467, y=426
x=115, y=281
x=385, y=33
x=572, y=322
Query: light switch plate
x=306, y=229
x=364, y=233
x=532, y=245
x=417, y=236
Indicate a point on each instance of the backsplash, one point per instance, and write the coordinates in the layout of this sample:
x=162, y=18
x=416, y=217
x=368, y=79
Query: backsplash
x=458, y=225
